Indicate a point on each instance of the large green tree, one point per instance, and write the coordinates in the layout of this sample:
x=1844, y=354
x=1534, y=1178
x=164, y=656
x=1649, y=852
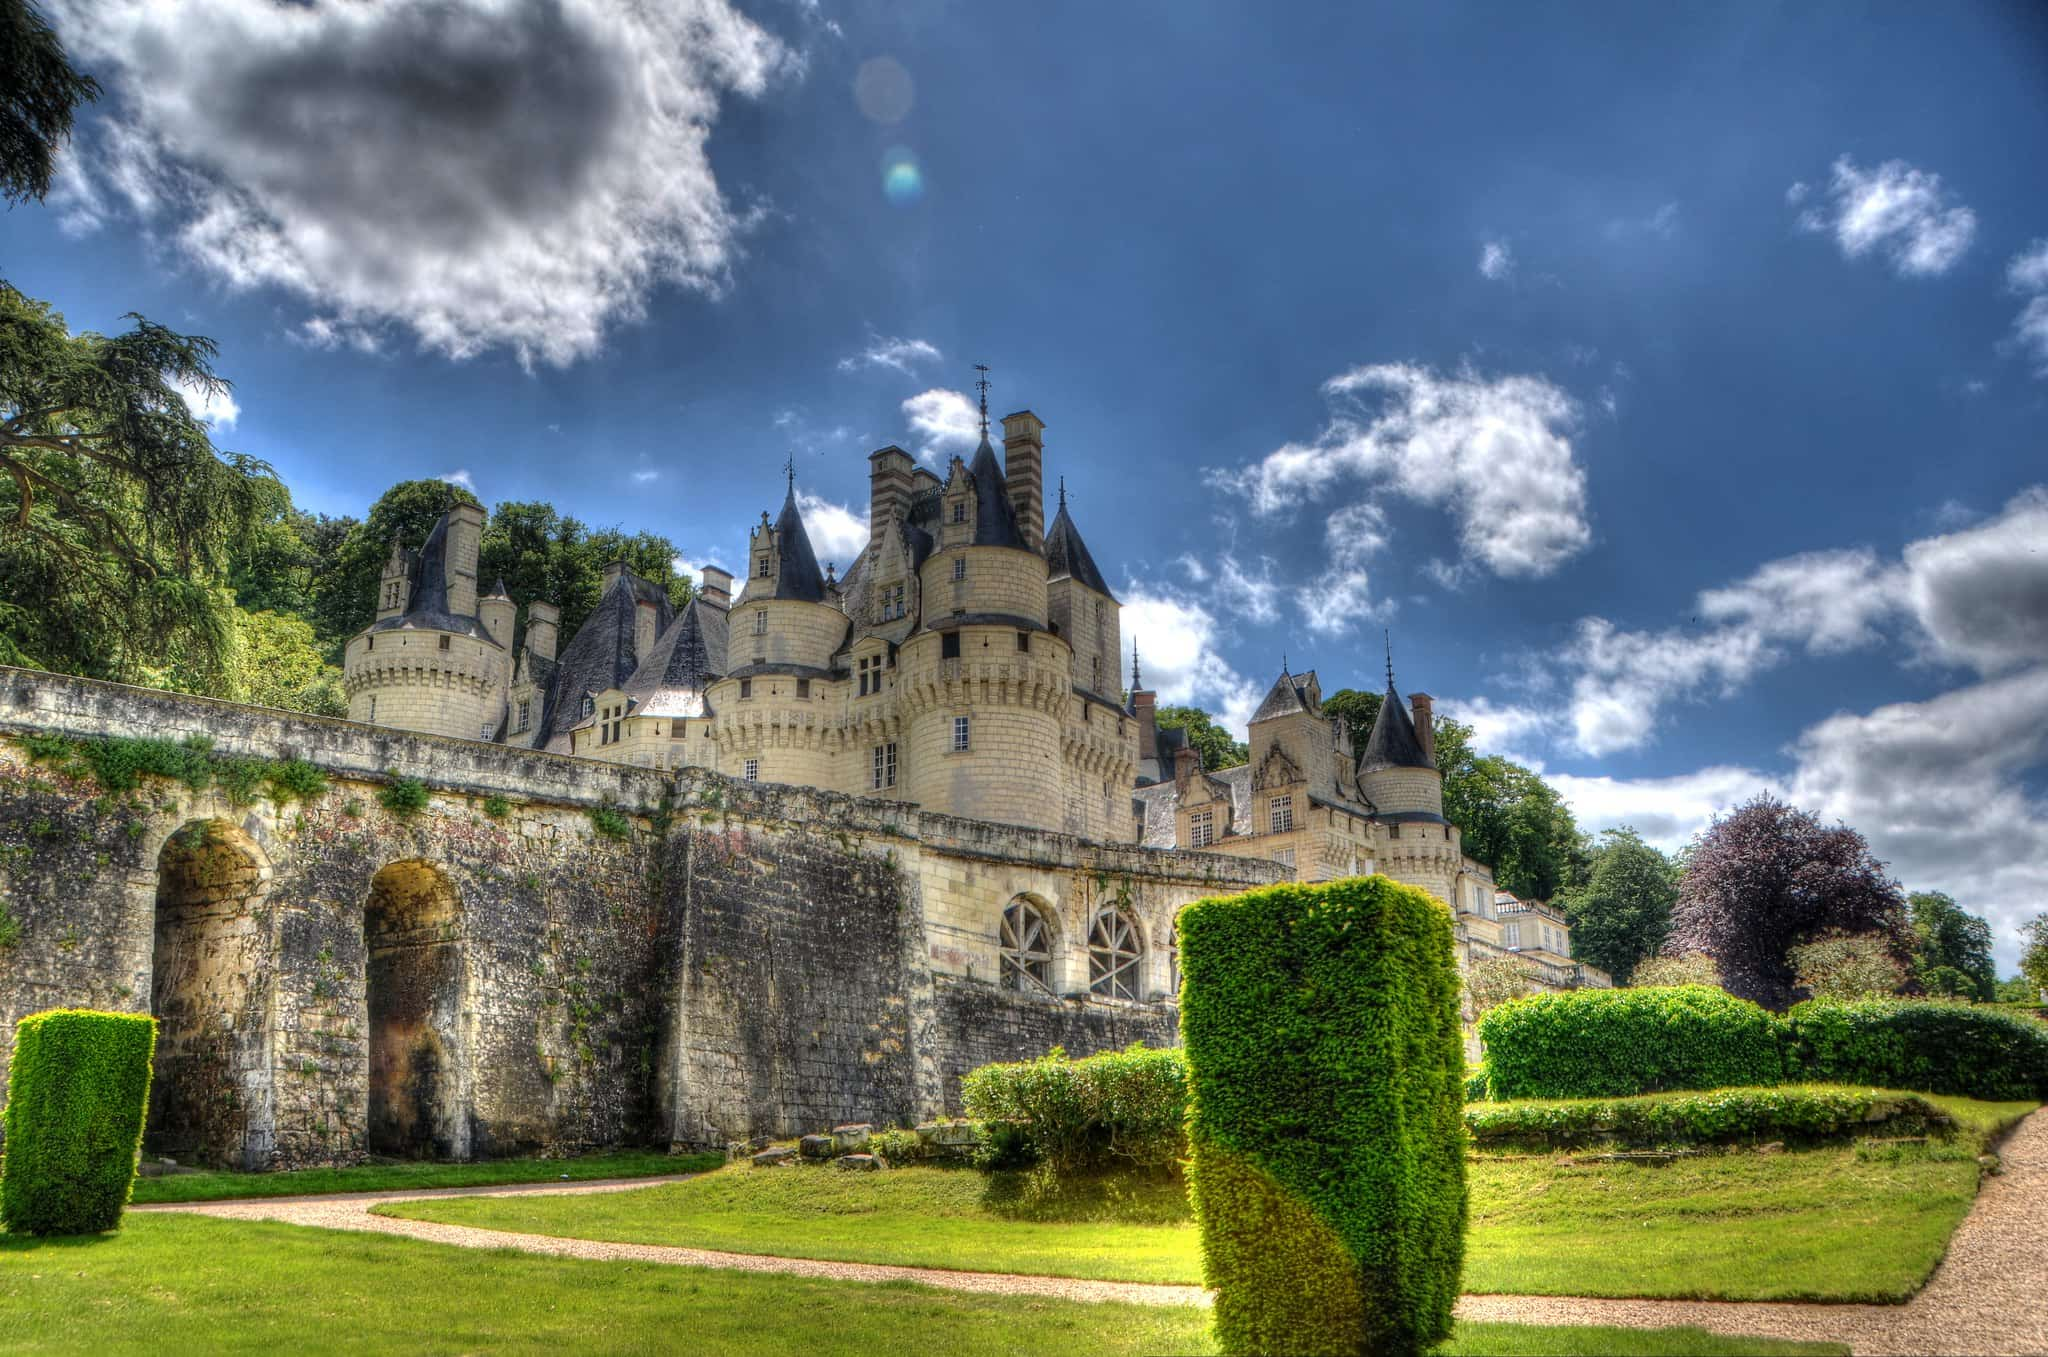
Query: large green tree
x=1623, y=911
x=118, y=517
x=545, y=555
x=39, y=94
x=2034, y=952
x=1205, y=737
x=1947, y=938
x=345, y=592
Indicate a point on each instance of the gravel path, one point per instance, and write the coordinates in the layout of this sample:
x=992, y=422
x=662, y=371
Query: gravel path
x=1989, y=1296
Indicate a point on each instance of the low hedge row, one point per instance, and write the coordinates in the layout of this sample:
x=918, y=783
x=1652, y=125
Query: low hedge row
x=1118, y=1109
x=77, y=1092
x=1618, y=1043
x=1728, y=1116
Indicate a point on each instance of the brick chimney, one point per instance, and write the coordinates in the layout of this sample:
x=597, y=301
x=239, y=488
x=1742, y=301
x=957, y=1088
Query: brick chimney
x=1024, y=470
x=1425, y=729
x=889, y=479
x=1186, y=763
x=541, y=621
x=646, y=620
x=465, y=539
x=716, y=588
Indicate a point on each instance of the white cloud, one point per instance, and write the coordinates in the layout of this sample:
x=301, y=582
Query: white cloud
x=1981, y=593
x=1189, y=563
x=1829, y=601
x=2027, y=274
x=1662, y=223
x=900, y=354
x=517, y=173
x=1177, y=639
x=1896, y=209
x=1251, y=592
x=1495, y=452
x=217, y=408
x=945, y=422
x=837, y=532
x=691, y=566
x=646, y=475
x=460, y=476
x=1668, y=811
x=1507, y=729
x=1342, y=594
x=1496, y=260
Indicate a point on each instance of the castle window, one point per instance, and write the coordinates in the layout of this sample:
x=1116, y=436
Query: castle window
x=884, y=774
x=1511, y=937
x=589, y=704
x=1393, y=831
x=959, y=513
x=959, y=567
x=370, y=644
x=959, y=734
x=525, y=711
x=893, y=602
x=1027, y=949
x=1201, y=829
x=803, y=688
x=949, y=646
x=678, y=730
x=1280, y=815
x=1285, y=857
x=1023, y=641
x=753, y=770
x=1113, y=956
x=761, y=566
x=1095, y=674
x=869, y=670
x=444, y=643
x=488, y=731
x=746, y=689
x=761, y=623
x=373, y=707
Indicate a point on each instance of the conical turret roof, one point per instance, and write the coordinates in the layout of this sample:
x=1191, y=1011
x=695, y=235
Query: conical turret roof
x=1393, y=742
x=800, y=577
x=995, y=518
x=1067, y=554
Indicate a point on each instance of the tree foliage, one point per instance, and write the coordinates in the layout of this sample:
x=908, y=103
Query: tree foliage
x=345, y=592
x=1950, y=939
x=1847, y=966
x=118, y=518
x=1495, y=980
x=547, y=556
x=1694, y=968
x=39, y=94
x=1205, y=737
x=1623, y=912
x=2034, y=952
x=1767, y=877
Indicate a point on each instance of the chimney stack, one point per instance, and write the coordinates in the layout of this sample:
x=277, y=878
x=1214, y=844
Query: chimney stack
x=645, y=620
x=465, y=538
x=1024, y=470
x=889, y=479
x=1425, y=729
x=541, y=621
x=1186, y=763
x=717, y=587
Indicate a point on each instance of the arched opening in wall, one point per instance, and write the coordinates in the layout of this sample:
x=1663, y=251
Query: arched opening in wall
x=415, y=990
x=210, y=1098
x=1114, y=955
x=1027, y=943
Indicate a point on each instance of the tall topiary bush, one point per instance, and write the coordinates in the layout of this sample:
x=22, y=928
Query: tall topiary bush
x=1607, y=1043
x=1326, y=1075
x=76, y=1096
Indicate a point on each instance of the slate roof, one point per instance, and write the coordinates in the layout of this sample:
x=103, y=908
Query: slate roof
x=686, y=659
x=1067, y=554
x=995, y=518
x=1393, y=742
x=600, y=655
x=800, y=578
x=1288, y=695
x=426, y=602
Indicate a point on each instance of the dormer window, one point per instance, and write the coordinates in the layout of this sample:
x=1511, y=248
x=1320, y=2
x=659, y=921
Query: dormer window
x=589, y=705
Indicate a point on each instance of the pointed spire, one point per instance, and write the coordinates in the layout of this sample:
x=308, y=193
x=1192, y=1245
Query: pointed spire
x=982, y=383
x=1389, y=634
x=1137, y=681
x=498, y=589
x=789, y=473
x=1063, y=492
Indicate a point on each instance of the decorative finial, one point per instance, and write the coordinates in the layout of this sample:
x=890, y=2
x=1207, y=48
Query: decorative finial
x=1136, y=681
x=1063, y=492
x=982, y=368
x=789, y=471
x=1390, y=659
x=1283, y=661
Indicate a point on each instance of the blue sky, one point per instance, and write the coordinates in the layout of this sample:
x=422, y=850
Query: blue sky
x=1670, y=383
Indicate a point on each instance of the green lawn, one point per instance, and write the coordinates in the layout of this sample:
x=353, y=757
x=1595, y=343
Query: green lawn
x=1828, y=1224
x=168, y=1283
x=211, y=1185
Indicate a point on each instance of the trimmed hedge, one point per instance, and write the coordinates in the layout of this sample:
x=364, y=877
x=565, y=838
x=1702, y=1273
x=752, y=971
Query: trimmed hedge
x=76, y=1096
x=1605, y=1043
x=1729, y=1116
x=1121, y=1108
x=1966, y=1049
x=1326, y=1076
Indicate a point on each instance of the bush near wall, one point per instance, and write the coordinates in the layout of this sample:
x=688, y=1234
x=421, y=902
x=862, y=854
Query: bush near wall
x=76, y=1097
x=1966, y=1049
x=1326, y=1074
x=1618, y=1042
x=1117, y=1109
x=1728, y=1116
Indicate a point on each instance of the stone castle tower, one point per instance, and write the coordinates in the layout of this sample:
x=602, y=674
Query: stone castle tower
x=438, y=658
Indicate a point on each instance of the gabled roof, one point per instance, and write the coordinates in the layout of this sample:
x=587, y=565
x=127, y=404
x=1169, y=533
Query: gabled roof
x=601, y=655
x=1393, y=742
x=995, y=518
x=800, y=577
x=686, y=659
x=1288, y=696
x=1067, y=554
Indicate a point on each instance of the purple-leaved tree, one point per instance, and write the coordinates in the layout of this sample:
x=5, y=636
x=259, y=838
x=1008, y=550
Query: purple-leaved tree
x=1768, y=877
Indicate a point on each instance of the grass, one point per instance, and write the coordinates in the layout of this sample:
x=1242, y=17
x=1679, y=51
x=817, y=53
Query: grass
x=217, y=1184
x=190, y=1284
x=1836, y=1223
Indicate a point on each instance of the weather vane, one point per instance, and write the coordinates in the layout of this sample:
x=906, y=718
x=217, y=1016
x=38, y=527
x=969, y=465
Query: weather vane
x=1136, y=682
x=789, y=471
x=982, y=368
x=1389, y=634
x=1063, y=492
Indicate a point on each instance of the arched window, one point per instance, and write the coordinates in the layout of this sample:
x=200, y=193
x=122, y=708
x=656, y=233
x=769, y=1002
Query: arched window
x=1027, y=949
x=1113, y=956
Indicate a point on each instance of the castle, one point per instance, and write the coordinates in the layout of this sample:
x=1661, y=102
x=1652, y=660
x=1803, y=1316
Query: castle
x=968, y=663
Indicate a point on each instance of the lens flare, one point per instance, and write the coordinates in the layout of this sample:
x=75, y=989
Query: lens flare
x=883, y=91
x=902, y=180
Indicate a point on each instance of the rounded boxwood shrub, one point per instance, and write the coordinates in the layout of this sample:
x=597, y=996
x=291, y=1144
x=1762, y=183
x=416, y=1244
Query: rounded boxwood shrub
x=1123, y=1108
x=1608, y=1043
x=1965, y=1049
x=76, y=1095
x=1326, y=1082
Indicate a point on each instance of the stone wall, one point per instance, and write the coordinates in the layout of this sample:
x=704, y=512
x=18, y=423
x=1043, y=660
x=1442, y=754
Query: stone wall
x=495, y=972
